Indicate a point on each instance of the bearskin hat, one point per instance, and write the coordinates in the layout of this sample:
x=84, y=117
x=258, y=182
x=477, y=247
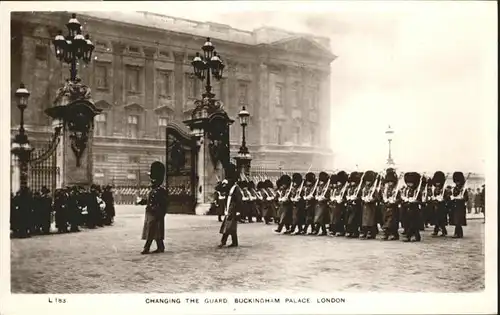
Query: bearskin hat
x=438, y=178
x=243, y=184
x=412, y=177
x=157, y=171
x=230, y=172
x=310, y=177
x=278, y=182
x=218, y=186
x=297, y=178
x=285, y=180
x=268, y=184
x=458, y=178
x=333, y=178
x=260, y=185
x=369, y=176
x=341, y=177
x=251, y=184
x=45, y=190
x=390, y=175
x=355, y=177
x=323, y=177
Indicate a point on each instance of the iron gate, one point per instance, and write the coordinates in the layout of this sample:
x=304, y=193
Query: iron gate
x=180, y=170
x=43, y=167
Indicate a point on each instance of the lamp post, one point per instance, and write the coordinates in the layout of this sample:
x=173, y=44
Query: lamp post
x=206, y=66
x=243, y=158
x=21, y=147
x=389, y=133
x=74, y=46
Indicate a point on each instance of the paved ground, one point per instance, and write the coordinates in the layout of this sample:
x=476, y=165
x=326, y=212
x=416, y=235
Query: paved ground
x=107, y=260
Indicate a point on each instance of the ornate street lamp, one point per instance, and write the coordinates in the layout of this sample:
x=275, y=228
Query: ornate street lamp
x=73, y=105
x=243, y=115
x=389, y=133
x=74, y=46
x=210, y=64
x=21, y=147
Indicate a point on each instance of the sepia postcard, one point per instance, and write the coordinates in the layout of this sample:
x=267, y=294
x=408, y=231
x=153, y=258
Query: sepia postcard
x=249, y=157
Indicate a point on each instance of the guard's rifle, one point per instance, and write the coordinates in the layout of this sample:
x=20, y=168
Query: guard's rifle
x=299, y=191
x=441, y=195
x=356, y=192
x=417, y=191
x=311, y=194
x=392, y=198
x=462, y=191
x=323, y=194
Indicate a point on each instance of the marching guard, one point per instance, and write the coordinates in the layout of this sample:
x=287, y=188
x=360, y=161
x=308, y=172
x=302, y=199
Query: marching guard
x=353, y=205
x=369, y=196
x=229, y=226
x=298, y=214
x=391, y=198
x=107, y=197
x=337, y=203
x=269, y=208
x=438, y=202
x=309, y=201
x=321, y=213
x=254, y=206
x=411, y=202
x=285, y=204
x=459, y=200
x=156, y=206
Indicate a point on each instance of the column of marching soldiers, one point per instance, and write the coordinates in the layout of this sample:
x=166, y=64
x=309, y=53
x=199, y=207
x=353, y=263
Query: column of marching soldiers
x=32, y=213
x=355, y=205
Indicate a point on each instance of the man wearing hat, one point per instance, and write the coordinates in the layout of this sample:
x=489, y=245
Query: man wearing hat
x=353, y=205
x=268, y=208
x=459, y=200
x=412, y=199
x=285, y=204
x=298, y=213
x=46, y=210
x=337, y=203
x=391, y=198
x=107, y=197
x=156, y=209
x=438, y=204
x=220, y=200
x=309, y=202
x=234, y=201
x=369, y=195
x=321, y=213
x=74, y=212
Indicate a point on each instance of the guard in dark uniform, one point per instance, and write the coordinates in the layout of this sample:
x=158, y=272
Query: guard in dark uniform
x=109, y=200
x=46, y=210
x=36, y=214
x=60, y=208
x=353, y=205
x=219, y=200
x=285, y=204
x=298, y=214
x=369, y=196
x=24, y=203
x=156, y=209
x=268, y=209
x=254, y=203
x=234, y=198
x=73, y=210
x=337, y=204
x=459, y=200
x=438, y=204
x=391, y=197
x=322, y=195
x=309, y=202
x=426, y=202
x=411, y=201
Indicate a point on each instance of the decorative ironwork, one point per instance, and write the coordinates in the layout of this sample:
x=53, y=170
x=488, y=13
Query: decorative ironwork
x=43, y=167
x=180, y=170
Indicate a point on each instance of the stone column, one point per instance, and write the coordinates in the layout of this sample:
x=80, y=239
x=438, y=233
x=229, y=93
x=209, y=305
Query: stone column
x=117, y=81
x=179, y=83
x=150, y=121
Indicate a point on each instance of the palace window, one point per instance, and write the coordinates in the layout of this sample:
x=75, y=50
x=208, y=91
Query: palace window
x=100, y=125
x=99, y=158
x=296, y=96
x=134, y=159
x=279, y=96
x=279, y=134
x=192, y=87
x=313, y=136
x=133, y=126
x=133, y=79
x=296, y=135
x=164, y=83
x=101, y=76
x=243, y=93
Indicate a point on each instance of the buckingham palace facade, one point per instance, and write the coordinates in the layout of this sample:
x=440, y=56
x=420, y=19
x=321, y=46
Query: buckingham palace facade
x=141, y=77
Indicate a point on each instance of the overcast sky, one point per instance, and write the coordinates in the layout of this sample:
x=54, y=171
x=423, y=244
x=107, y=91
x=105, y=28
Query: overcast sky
x=425, y=68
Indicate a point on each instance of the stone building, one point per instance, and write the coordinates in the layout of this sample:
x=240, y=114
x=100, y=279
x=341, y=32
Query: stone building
x=142, y=78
